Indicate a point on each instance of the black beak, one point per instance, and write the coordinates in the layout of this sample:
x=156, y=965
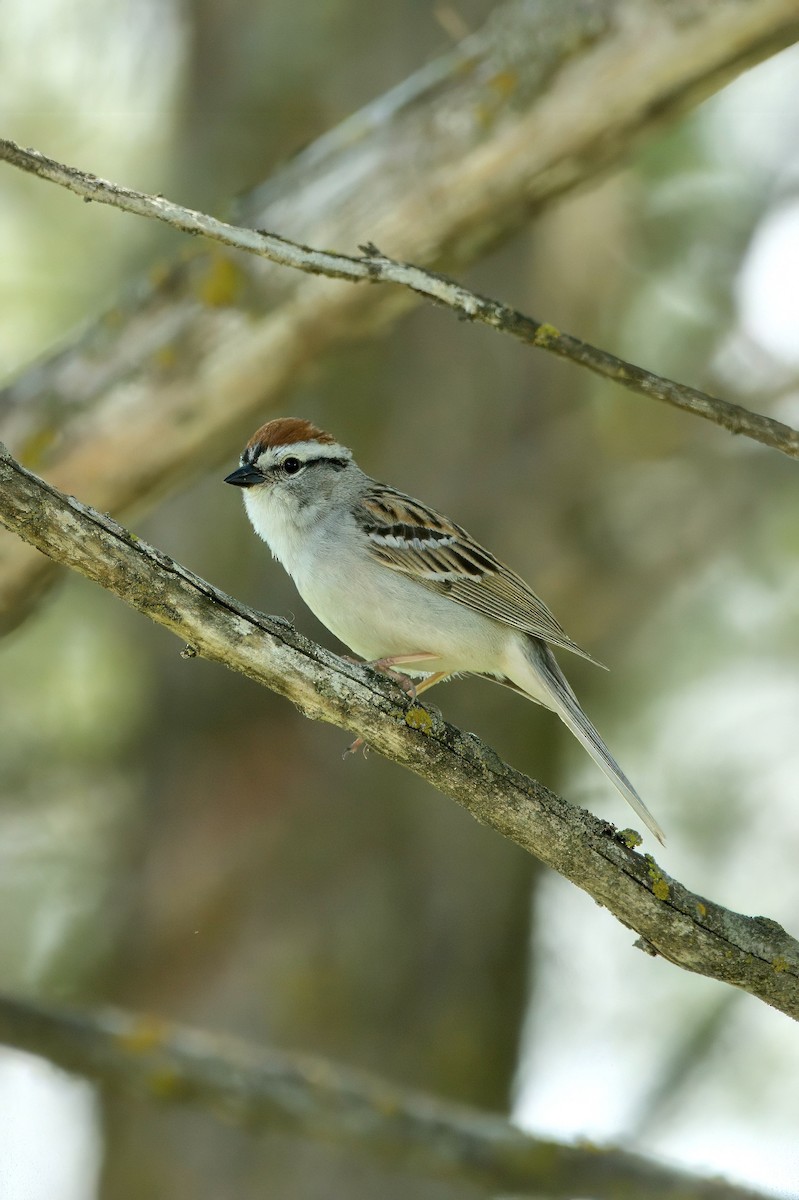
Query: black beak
x=244, y=477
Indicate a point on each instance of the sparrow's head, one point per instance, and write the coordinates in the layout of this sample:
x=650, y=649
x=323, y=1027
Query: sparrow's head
x=291, y=473
x=281, y=452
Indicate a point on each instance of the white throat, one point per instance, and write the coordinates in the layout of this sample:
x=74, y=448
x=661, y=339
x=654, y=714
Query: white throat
x=281, y=529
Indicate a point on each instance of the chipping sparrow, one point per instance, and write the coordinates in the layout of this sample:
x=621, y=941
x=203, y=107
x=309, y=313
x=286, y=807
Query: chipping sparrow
x=403, y=586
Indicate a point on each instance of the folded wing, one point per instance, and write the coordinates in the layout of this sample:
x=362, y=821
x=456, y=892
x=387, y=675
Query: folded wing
x=409, y=537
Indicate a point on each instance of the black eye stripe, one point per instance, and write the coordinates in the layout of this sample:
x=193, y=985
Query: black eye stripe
x=252, y=454
x=337, y=463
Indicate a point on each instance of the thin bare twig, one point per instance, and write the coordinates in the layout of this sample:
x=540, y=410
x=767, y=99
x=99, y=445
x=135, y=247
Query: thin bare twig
x=260, y=1089
x=752, y=953
x=375, y=267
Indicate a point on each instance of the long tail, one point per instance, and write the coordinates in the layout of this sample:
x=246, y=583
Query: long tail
x=553, y=690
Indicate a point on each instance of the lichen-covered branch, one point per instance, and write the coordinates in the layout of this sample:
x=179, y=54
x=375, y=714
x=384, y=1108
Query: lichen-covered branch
x=443, y=166
x=752, y=953
x=373, y=267
x=263, y=1089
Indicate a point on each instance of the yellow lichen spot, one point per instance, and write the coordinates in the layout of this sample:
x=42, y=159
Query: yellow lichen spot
x=631, y=838
x=546, y=334
x=165, y=358
x=660, y=889
x=701, y=909
x=779, y=964
x=419, y=718
x=144, y=1035
x=221, y=284
x=165, y=1084
x=504, y=83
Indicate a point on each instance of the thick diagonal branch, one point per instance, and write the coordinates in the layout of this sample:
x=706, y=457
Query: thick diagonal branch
x=752, y=953
x=263, y=1089
x=447, y=164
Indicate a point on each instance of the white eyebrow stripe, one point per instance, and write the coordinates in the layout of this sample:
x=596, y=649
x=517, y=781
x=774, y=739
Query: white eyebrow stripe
x=304, y=451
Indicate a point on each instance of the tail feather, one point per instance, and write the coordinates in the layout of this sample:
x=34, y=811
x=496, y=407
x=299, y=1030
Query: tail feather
x=558, y=696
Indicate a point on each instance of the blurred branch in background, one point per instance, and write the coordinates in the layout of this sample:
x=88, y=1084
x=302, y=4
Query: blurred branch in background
x=687, y=1058
x=438, y=170
x=752, y=953
x=259, y=1088
x=374, y=267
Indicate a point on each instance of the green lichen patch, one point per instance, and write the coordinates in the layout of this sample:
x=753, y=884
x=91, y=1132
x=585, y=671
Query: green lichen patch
x=222, y=282
x=419, y=718
x=660, y=889
x=165, y=1084
x=144, y=1036
x=546, y=334
x=631, y=838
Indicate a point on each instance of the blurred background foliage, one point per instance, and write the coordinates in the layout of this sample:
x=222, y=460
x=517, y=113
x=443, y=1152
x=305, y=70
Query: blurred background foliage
x=175, y=839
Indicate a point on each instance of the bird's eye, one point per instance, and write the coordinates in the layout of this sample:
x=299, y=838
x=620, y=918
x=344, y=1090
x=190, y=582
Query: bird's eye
x=291, y=466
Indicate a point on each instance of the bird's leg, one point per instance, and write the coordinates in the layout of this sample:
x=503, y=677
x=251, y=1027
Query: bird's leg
x=385, y=665
x=431, y=681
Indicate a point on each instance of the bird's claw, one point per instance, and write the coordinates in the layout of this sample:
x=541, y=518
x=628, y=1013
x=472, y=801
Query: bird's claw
x=354, y=747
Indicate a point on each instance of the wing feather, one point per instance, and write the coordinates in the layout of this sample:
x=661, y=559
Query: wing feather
x=408, y=537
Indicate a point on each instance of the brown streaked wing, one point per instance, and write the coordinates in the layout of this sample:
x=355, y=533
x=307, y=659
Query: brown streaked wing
x=409, y=537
